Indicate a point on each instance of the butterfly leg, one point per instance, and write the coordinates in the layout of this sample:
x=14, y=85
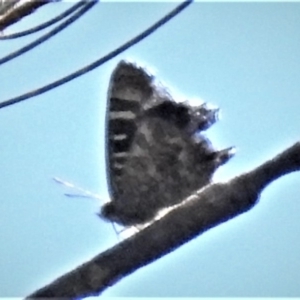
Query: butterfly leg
x=222, y=156
x=205, y=151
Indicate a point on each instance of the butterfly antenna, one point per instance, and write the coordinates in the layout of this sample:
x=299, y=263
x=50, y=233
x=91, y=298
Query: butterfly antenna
x=82, y=192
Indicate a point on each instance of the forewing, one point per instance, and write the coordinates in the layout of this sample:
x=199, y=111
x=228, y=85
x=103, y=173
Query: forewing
x=129, y=91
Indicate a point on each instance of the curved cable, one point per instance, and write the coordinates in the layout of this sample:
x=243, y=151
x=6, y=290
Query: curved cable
x=44, y=25
x=48, y=35
x=100, y=61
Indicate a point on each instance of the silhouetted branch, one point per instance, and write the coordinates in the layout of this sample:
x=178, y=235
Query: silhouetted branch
x=207, y=208
x=19, y=12
x=44, y=25
x=5, y=5
x=51, y=33
x=101, y=60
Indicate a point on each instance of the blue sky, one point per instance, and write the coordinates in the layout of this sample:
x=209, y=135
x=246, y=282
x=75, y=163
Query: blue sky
x=242, y=57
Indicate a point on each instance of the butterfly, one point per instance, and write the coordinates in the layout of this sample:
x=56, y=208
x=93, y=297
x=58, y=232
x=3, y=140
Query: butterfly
x=156, y=154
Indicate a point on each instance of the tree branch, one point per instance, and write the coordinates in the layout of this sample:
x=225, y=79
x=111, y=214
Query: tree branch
x=16, y=13
x=5, y=6
x=46, y=24
x=207, y=208
x=80, y=12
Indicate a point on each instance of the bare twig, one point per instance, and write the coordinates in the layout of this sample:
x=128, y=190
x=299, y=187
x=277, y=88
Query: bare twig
x=14, y=15
x=5, y=5
x=209, y=207
x=44, y=25
x=50, y=34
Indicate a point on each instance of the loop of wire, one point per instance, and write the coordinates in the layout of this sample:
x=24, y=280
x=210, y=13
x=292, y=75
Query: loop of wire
x=100, y=61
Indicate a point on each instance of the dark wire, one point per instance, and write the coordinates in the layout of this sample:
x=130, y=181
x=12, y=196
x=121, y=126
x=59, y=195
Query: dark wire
x=44, y=25
x=100, y=61
x=48, y=35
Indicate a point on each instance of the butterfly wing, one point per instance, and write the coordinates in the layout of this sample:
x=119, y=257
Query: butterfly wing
x=168, y=162
x=155, y=158
x=130, y=89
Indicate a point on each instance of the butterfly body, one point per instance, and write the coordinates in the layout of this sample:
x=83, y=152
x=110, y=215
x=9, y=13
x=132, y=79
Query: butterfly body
x=156, y=155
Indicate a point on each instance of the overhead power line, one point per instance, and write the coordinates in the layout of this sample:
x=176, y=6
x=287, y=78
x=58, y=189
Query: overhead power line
x=100, y=61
